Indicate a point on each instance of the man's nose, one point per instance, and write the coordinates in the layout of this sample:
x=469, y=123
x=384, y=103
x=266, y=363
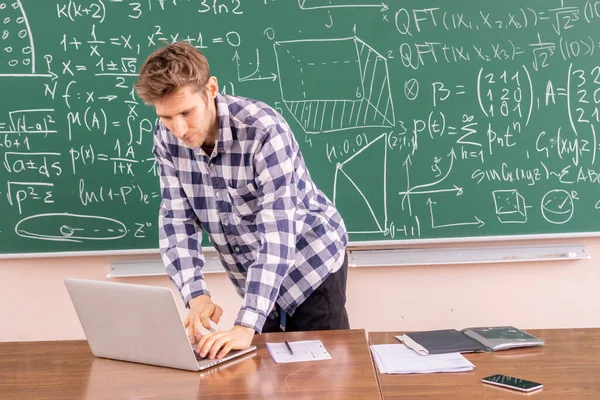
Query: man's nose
x=179, y=127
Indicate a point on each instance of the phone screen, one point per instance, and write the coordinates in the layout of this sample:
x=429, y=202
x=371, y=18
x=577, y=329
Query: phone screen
x=512, y=383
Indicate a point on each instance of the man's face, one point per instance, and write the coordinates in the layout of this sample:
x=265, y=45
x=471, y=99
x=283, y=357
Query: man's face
x=190, y=115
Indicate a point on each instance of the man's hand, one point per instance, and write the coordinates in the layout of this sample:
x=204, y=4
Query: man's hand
x=239, y=338
x=202, y=309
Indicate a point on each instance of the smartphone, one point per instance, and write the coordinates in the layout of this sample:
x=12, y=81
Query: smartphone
x=521, y=385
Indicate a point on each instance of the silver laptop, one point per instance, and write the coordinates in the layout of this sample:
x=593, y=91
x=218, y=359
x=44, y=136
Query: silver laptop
x=136, y=323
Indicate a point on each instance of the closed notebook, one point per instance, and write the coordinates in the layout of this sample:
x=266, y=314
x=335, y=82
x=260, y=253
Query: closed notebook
x=502, y=337
x=441, y=341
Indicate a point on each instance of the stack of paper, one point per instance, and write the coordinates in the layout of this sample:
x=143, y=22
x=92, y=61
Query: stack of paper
x=399, y=359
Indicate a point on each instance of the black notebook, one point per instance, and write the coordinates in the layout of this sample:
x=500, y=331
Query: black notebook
x=441, y=341
x=469, y=340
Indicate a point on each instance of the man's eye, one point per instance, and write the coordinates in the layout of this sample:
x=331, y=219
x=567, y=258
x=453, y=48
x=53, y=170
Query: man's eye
x=185, y=113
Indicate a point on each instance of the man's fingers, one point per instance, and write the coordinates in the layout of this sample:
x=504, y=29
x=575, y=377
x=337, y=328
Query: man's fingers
x=204, y=348
x=226, y=349
x=190, y=334
x=186, y=321
x=216, y=317
x=201, y=344
x=208, y=342
x=197, y=328
x=204, y=318
x=217, y=345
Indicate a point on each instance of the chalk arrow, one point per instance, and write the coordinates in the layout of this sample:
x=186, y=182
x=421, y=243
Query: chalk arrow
x=477, y=221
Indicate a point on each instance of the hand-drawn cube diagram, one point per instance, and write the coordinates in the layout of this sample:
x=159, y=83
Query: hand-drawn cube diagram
x=510, y=206
x=330, y=85
x=17, y=53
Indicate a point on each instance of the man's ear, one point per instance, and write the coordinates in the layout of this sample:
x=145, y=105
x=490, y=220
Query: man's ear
x=212, y=87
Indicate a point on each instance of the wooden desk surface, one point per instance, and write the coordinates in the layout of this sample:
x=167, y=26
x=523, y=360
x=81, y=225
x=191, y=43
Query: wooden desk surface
x=68, y=370
x=568, y=366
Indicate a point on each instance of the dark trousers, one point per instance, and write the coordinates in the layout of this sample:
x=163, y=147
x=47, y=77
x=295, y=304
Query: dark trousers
x=323, y=309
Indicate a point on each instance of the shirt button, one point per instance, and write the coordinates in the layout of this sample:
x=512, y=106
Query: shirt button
x=218, y=195
x=212, y=167
x=237, y=249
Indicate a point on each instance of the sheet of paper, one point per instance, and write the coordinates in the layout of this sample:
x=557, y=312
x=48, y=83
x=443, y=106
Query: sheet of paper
x=307, y=350
x=399, y=359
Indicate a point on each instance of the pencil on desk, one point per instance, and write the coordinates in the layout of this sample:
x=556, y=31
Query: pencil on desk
x=289, y=347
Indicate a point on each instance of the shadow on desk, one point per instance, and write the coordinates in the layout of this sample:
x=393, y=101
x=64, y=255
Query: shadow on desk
x=68, y=370
x=111, y=379
x=255, y=376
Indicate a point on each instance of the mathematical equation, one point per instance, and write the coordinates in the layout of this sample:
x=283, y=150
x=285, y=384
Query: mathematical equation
x=407, y=112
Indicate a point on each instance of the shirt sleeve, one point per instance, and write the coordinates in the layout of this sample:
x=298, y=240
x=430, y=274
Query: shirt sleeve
x=180, y=235
x=276, y=186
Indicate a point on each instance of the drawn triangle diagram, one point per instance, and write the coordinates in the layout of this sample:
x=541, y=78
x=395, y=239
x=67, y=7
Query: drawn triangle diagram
x=330, y=85
x=17, y=54
x=360, y=193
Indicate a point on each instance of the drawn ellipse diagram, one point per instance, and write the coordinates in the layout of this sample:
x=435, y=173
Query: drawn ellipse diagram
x=557, y=206
x=330, y=85
x=65, y=227
x=17, y=52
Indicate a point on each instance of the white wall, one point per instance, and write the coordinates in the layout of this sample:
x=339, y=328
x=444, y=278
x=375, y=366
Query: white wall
x=34, y=304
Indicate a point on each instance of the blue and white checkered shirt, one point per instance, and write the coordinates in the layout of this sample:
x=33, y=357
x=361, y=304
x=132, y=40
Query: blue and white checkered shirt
x=277, y=235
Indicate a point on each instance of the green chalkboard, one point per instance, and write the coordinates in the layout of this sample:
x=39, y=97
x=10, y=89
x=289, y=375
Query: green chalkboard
x=445, y=120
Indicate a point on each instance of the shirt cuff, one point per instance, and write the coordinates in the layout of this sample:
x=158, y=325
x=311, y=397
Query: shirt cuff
x=251, y=318
x=193, y=289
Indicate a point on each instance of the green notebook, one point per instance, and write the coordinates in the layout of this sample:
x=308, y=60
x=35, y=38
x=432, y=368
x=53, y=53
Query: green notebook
x=502, y=337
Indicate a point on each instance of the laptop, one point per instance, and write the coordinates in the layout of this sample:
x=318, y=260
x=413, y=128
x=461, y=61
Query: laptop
x=136, y=323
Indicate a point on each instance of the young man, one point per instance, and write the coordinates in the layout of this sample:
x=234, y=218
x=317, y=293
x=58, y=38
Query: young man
x=231, y=167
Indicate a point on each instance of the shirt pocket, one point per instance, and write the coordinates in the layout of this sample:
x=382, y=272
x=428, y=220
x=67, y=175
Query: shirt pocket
x=244, y=200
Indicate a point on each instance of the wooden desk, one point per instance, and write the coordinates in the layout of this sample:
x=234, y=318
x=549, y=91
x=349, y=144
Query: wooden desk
x=68, y=370
x=568, y=366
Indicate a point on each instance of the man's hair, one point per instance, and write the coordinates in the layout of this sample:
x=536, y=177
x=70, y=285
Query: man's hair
x=175, y=66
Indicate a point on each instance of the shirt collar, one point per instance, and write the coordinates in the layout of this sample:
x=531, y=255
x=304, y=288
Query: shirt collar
x=224, y=134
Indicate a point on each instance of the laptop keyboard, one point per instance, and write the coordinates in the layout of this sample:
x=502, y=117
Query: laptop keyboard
x=205, y=365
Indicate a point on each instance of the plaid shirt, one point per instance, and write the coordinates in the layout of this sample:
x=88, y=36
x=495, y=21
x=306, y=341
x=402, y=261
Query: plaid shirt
x=277, y=235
